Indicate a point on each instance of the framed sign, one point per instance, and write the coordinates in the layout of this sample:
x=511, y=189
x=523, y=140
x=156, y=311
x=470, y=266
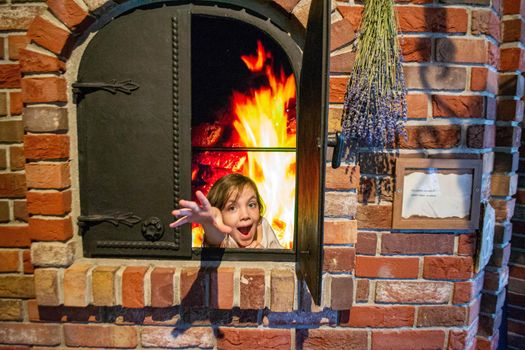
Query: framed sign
x=437, y=194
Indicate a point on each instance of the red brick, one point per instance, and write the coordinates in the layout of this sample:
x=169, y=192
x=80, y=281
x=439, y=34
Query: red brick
x=20, y=211
x=483, y=79
x=381, y=316
x=50, y=229
x=162, y=287
x=192, y=287
x=362, y=290
x=509, y=59
x=495, y=281
x=467, y=244
x=10, y=76
x=16, y=42
x=12, y=185
x=417, y=105
x=417, y=244
x=100, y=336
x=133, y=287
x=458, y=106
x=510, y=7
x=28, y=264
x=16, y=158
x=504, y=208
x=250, y=338
x=366, y=243
x=333, y=339
x=9, y=261
x=341, y=33
x=481, y=136
x=14, y=236
x=32, y=61
x=374, y=216
x=252, y=289
x=341, y=63
x=432, y=19
x=68, y=11
x=3, y=159
x=30, y=334
x=340, y=232
x=46, y=34
x=353, y=14
x=386, y=267
x=447, y=267
x=416, y=49
x=48, y=175
x=46, y=147
x=287, y=5
x=435, y=77
x=342, y=178
x=441, y=316
x=42, y=90
x=509, y=110
x=485, y=22
x=339, y=259
x=408, y=339
x=342, y=294
x=282, y=289
x=337, y=89
x=442, y=136
x=511, y=30
x=222, y=288
x=453, y=50
x=508, y=136
x=15, y=105
x=49, y=203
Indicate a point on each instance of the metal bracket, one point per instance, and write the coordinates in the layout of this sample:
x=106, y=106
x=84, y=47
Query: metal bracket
x=114, y=86
x=336, y=141
x=128, y=219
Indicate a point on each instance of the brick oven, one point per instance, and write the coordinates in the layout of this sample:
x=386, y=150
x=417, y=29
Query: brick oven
x=375, y=287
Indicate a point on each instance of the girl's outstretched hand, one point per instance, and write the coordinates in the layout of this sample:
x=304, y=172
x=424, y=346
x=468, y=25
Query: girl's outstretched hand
x=203, y=214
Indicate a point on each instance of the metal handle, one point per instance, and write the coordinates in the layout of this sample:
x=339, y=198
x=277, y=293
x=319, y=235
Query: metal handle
x=336, y=141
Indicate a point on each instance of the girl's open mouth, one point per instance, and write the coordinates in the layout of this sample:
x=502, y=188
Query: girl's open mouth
x=244, y=230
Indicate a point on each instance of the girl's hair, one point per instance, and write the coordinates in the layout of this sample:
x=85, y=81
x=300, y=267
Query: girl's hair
x=223, y=188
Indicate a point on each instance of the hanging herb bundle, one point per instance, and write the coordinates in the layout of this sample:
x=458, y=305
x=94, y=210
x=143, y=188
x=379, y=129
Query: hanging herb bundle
x=375, y=102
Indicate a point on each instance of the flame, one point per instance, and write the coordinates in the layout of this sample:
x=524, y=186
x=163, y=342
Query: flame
x=262, y=116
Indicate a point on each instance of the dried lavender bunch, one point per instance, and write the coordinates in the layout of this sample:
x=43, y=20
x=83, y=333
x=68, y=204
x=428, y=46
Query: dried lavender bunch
x=375, y=107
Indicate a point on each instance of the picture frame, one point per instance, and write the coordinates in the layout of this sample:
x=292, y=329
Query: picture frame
x=437, y=194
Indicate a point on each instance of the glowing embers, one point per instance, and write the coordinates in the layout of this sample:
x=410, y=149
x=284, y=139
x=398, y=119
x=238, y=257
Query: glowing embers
x=255, y=135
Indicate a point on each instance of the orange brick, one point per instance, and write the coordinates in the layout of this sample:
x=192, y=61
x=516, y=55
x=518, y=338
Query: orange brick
x=49, y=203
x=9, y=260
x=28, y=264
x=10, y=76
x=342, y=178
x=221, y=288
x=417, y=105
x=386, y=267
x=381, y=316
x=50, y=229
x=46, y=34
x=45, y=89
x=48, y=175
x=100, y=336
x=252, y=289
x=31, y=62
x=68, y=11
x=76, y=285
x=340, y=232
x=16, y=42
x=432, y=19
x=44, y=147
x=103, y=284
x=133, y=287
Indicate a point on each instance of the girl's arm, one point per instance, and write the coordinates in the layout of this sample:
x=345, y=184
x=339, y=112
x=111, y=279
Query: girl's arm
x=215, y=231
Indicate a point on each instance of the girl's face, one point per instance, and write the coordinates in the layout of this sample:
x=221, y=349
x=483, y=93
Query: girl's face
x=242, y=214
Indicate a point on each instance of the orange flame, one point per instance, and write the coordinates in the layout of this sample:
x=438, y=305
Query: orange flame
x=262, y=121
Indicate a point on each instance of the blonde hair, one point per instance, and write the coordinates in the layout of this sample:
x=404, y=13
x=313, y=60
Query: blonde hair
x=223, y=188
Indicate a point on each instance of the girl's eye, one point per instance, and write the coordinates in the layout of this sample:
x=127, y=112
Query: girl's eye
x=252, y=205
x=232, y=208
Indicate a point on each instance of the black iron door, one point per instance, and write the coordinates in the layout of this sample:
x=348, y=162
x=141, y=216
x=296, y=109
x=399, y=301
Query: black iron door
x=133, y=112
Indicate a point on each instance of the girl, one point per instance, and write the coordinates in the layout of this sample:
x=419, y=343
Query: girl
x=232, y=215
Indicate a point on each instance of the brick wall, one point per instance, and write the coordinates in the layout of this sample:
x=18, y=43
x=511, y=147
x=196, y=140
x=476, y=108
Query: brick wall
x=381, y=289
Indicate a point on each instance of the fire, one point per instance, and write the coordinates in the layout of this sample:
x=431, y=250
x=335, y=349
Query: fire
x=264, y=117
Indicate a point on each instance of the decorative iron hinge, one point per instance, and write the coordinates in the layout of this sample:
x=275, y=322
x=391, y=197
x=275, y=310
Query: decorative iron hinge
x=114, y=86
x=128, y=219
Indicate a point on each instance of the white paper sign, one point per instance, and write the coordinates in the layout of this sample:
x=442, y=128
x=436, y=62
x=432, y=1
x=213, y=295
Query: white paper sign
x=437, y=195
x=487, y=237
